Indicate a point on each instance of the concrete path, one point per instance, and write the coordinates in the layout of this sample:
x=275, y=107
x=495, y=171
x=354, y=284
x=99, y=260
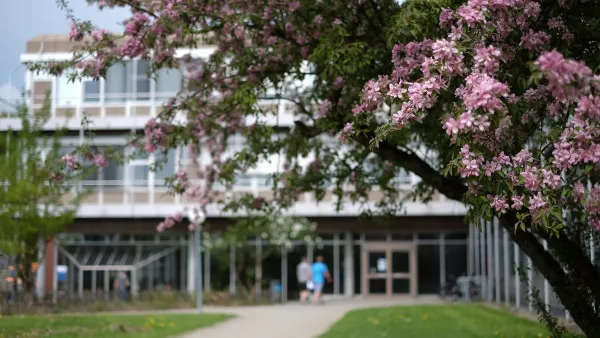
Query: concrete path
x=292, y=320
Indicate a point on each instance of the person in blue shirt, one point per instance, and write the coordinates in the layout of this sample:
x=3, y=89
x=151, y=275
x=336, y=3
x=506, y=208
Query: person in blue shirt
x=320, y=274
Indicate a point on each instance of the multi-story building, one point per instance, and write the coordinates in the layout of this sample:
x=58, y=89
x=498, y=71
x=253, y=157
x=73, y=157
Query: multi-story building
x=115, y=227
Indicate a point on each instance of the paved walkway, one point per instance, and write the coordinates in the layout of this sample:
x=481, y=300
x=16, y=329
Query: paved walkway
x=292, y=320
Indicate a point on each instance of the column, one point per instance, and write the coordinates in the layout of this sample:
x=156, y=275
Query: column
x=94, y=283
x=134, y=283
x=530, y=283
x=232, y=269
x=54, y=250
x=497, y=259
x=477, y=250
x=150, y=268
x=71, y=278
x=442, y=263
x=470, y=252
x=284, y=274
x=490, y=261
x=506, y=268
x=40, y=275
x=546, y=285
x=191, y=265
x=181, y=269
x=258, y=268
x=517, y=259
x=348, y=265
x=106, y=285
x=336, y=264
x=207, y=270
x=80, y=283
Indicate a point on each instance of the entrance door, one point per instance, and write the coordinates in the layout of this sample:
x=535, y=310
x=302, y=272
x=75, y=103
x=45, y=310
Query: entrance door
x=389, y=268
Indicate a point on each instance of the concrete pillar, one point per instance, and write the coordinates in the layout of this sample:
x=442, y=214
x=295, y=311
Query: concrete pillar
x=442, y=263
x=207, y=270
x=94, y=282
x=258, y=268
x=506, y=268
x=80, y=284
x=232, y=281
x=530, y=283
x=348, y=265
x=496, y=223
x=336, y=264
x=284, y=274
x=546, y=285
x=40, y=275
x=106, y=285
x=477, y=250
x=182, y=275
x=470, y=251
x=490, y=260
x=191, y=264
x=517, y=259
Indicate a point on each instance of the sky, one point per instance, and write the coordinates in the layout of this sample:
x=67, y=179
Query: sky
x=20, y=20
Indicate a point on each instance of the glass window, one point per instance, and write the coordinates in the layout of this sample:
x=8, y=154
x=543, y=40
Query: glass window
x=113, y=174
x=164, y=169
x=68, y=93
x=142, y=81
x=168, y=83
x=403, y=177
x=91, y=91
x=116, y=83
x=140, y=175
x=242, y=181
x=264, y=181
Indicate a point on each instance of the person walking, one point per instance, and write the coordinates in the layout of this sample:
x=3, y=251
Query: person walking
x=121, y=285
x=320, y=274
x=303, y=276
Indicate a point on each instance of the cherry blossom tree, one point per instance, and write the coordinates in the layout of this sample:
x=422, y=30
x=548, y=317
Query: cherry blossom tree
x=502, y=94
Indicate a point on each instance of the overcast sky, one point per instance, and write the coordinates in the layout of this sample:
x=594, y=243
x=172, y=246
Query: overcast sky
x=21, y=20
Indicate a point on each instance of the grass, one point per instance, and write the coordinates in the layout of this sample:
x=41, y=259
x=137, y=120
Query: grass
x=441, y=321
x=105, y=326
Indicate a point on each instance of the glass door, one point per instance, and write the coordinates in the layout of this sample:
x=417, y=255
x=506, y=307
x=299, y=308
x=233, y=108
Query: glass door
x=389, y=269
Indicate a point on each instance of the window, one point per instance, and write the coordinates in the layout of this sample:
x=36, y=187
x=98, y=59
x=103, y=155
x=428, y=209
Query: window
x=67, y=92
x=403, y=177
x=140, y=175
x=116, y=83
x=142, y=81
x=264, y=181
x=164, y=169
x=91, y=91
x=113, y=174
x=242, y=181
x=168, y=83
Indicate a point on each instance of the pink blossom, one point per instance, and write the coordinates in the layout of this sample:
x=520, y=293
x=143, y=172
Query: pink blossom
x=339, y=82
x=324, y=108
x=532, y=181
x=336, y=22
x=318, y=20
x=522, y=158
x=470, y=14
x=550, y=179
x=487, y=59
x=294, y=6
x=483, y=91
x=446, y=16
x=100, y=161
x=537, y=203
x=535, y=41
x=578, y=191
x=499, y=203
x=346, y=132
x=160, y=227
x=517, y=202
x=70, y=161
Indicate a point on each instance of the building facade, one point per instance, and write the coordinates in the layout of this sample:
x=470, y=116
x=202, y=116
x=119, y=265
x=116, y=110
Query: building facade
x=115, y=227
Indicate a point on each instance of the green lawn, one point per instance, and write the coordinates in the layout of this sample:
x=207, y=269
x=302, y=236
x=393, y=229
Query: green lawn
x=442, y=321
x=104, y=326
